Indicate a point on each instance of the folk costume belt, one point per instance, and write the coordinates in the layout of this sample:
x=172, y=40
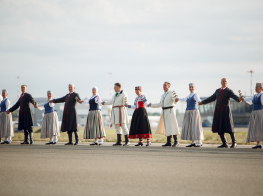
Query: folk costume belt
x=119, y=106
x=165, y=108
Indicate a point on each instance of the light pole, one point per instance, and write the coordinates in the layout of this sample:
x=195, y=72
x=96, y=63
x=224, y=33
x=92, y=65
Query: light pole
x=251, y=72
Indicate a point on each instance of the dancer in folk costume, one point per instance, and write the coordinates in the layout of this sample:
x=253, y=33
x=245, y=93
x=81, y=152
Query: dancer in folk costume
x=119, y=116
x=94, y=128
x=223, y=121
x=140, y=126
x=6, y=121
x=192, y=124
x=69, y=120
x=255, y=130
x=168, y=124
x=25, y=121
x=50, y=127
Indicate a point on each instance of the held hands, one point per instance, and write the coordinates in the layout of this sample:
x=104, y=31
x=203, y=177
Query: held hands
x=50, y=101
x=8, y=112
x=35, y=106
x=102, y=103
x=126, y=104
x=149, y=105
x=200, y=103
x=80, y=101
x=241, y=99
x=176, y=99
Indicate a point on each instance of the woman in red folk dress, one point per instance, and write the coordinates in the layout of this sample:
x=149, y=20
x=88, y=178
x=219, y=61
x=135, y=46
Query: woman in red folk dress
x=140, y=126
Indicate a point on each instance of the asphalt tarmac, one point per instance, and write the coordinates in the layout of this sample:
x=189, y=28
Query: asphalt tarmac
x=105, y=170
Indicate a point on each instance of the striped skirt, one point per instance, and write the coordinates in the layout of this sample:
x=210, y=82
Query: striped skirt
x=50, y=125
x=192, y=126
x=94, y=126
x=6, y=125
x=255, y=130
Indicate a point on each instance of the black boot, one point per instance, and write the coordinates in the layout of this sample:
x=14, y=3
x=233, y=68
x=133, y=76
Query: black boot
x=69, y=139
x=76, y=137
x=26, y=137
x=127, y=141
x=31, y=137
x=176, y=143
x=234, y=144
x=169, y=142
x=118, y=143
x=224, y=145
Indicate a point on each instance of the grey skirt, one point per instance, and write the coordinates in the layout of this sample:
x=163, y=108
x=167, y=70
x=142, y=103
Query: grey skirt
x=192, y=126
x=6, y=125
x=94, y=126
x=50, y=126
x=255, y=130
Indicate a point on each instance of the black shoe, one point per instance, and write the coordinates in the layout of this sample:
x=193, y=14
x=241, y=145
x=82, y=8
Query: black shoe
x=224, y=145
x=76, y=137
x=3, y=142
x=127, y=141
x=94, y=144
x=169, y=142
x=233, y=145
x=139, y=144
x=167, y=145
x=49, y=143
x=176, y=143
x=69, y=143
x=118, y=143
x=54, y=143
x=257, y=146
x=31, y=138
x=148, y=144
x=26, y=142
x=191, y=145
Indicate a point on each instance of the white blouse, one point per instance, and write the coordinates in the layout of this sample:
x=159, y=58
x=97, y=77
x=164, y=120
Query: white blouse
x=41, y=106
x=196, y=98
x=250, y=99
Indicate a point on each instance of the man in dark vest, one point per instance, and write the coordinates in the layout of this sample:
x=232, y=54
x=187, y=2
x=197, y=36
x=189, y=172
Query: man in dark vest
x=25, y=121
x=223, y=121
x=69, y=120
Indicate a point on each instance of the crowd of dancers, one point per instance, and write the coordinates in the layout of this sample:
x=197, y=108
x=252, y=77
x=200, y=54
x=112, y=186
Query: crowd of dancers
x=139, y=127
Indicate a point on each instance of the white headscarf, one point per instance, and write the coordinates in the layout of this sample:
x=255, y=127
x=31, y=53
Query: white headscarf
x=95, y=88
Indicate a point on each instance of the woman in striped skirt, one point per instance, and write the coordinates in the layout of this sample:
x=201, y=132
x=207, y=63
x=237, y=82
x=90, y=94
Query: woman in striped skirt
x=192, y=125
x=255, y=130
x=6, y=122
x=50, y=127
x=94, y=128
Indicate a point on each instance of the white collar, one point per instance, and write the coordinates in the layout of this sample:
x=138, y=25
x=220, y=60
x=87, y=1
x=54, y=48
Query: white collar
x=50, y=99
x=93, y=96
x=72, y=92
x=258, y=94
x=223, y=88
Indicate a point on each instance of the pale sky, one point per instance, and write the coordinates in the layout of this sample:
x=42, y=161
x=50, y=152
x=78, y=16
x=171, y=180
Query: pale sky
x=50, y=44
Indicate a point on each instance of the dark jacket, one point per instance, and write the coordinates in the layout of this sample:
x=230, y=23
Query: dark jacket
x=69, y=120
x=25, y=114
x=223, y=120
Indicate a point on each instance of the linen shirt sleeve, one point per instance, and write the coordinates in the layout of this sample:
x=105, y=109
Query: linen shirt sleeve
x=41, y=106
x=249, y=100
x=157, y=105
x=197, y=98
x=7, y=104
